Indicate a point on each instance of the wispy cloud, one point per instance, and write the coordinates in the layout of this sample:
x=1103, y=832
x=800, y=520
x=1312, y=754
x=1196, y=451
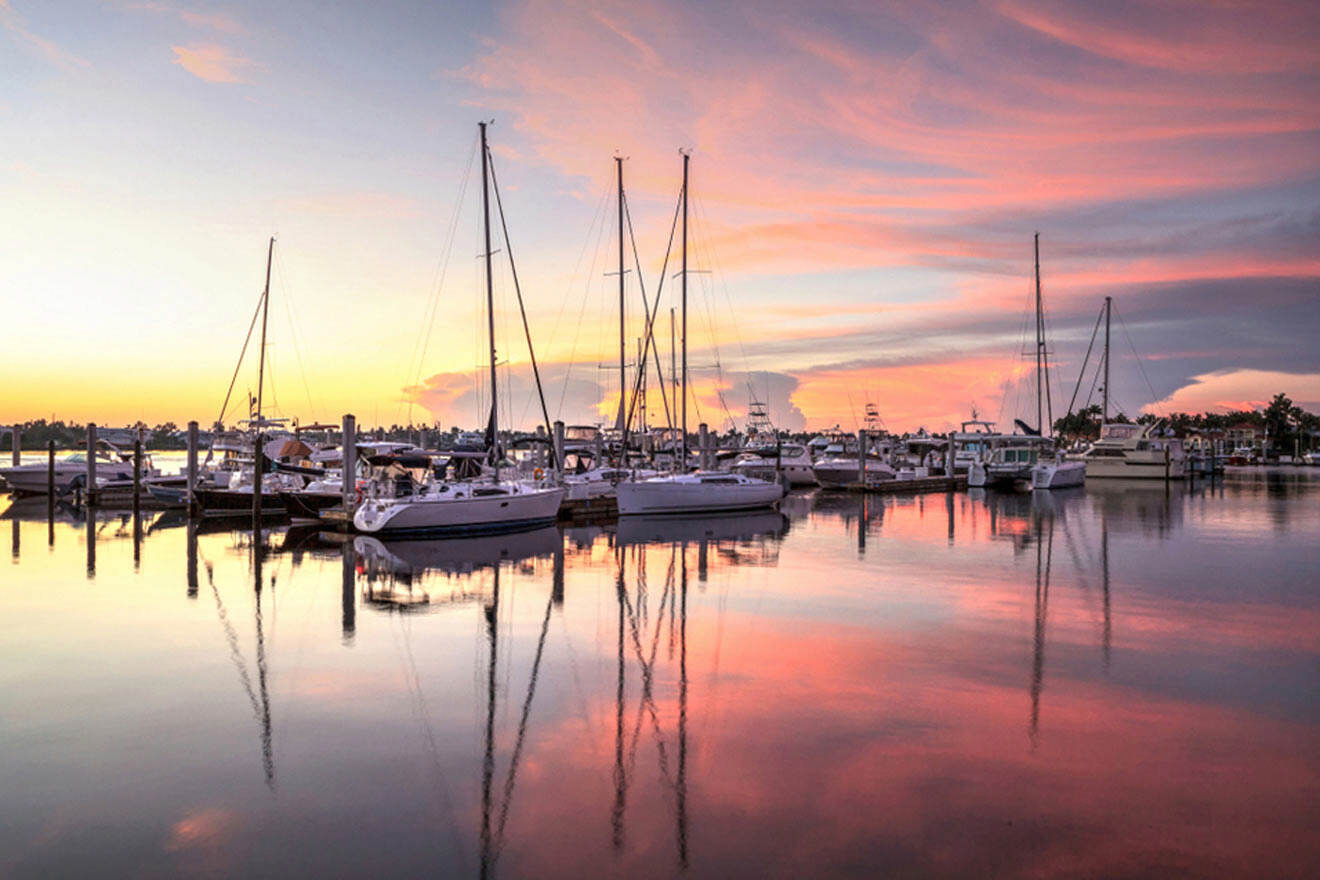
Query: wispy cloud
x=200, y=18
x=213, y=63
x=14, y=24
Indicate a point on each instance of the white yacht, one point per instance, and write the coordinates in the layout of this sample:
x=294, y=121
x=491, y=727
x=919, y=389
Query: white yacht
x=972, y=441
x=1135, y=452
x=768, y=462
x=1010, y=461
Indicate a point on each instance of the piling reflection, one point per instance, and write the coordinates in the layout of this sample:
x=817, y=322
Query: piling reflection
x=91, y=543
x=263, y=687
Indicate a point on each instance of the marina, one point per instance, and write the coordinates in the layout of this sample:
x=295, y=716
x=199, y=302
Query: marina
x=659, y=440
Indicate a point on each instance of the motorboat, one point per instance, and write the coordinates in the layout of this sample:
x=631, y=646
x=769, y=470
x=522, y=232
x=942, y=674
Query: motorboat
x=601, y=482
x=1060, y=473
x=1131, y=451
x=111, y=463
x=768, y=462
x=1010, y=461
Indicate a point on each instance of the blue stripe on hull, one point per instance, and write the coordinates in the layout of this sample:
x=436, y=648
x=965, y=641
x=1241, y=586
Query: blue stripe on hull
x=505, y=528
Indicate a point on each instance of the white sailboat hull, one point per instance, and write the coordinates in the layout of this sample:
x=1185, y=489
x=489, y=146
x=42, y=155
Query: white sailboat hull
x=517, y=507
x=695, y=494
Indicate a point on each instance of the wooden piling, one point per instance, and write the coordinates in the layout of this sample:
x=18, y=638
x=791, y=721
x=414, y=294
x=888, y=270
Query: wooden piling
x=348, y=592
x=89, y=491
x=559, y=449
x=192, y=467
x=137, y=479
x=861, y=457
x=703, y=447
x=258, y=474
x=50, y=492
x=348, y=462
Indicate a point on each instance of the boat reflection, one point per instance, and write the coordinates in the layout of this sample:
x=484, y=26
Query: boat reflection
x=717, y=527
x=396, y=572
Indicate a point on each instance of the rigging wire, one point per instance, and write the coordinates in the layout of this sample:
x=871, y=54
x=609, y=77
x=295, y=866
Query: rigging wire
x=522, y=310
x=708, y=249
x=224, y=407
x=1153, y=396
x=655, y=310
x=650, y=337
x=423, y=340
x=591, y=271
x=1081, y=373
x=293, y=333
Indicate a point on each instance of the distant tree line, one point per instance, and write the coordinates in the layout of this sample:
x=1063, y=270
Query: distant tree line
x=1286, y=427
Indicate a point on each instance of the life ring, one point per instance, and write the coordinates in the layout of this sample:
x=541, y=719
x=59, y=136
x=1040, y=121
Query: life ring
x=538, y=473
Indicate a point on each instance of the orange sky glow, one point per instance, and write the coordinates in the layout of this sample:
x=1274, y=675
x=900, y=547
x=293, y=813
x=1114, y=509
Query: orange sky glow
x=866, y=184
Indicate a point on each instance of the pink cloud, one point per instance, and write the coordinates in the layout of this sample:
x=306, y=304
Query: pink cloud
x=213, y=63
x=1231, y=390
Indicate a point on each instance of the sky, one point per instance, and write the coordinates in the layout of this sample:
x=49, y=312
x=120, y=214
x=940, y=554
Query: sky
x=866, y=179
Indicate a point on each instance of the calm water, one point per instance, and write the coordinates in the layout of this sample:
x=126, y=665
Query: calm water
x=1118, y=681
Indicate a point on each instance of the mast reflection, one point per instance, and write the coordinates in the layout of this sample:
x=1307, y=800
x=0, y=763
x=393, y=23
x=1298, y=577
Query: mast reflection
x=632, y=621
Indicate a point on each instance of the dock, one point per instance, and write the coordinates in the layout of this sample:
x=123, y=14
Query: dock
x=588, y=510
x=911, y=487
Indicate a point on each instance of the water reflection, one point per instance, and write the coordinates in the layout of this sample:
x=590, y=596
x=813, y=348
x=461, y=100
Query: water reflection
x=1055, y=684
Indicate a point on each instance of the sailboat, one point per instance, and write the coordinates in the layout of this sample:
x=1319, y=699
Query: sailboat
x=407, y=505
x=1060, y=472
x=700, y=491
x=1014, y=459
x=1132, y=451
x=601, y=480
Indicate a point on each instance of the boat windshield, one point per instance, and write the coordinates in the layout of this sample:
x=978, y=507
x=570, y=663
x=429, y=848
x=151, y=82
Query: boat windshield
x=1120, y=432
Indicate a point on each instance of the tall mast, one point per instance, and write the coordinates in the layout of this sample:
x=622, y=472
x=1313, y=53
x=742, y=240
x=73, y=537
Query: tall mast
x=642, y=426
x=1040, y=346
x=623, y=374
x=1109, y=300
x=258, y=452
x=673, y=364
x=490, y=305
x=686, y=157
x=265, y=303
